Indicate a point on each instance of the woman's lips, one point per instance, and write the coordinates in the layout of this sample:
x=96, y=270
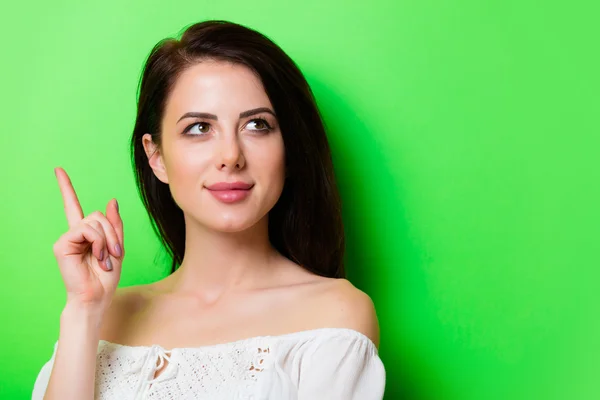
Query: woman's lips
x=229, y=186
x=230, y=196
x=230, y=192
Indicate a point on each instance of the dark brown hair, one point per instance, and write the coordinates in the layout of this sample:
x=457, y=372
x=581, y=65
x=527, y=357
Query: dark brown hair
x=305, y=225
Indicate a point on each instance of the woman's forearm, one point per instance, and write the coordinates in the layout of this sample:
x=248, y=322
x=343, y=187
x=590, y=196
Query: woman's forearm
x=73, y=372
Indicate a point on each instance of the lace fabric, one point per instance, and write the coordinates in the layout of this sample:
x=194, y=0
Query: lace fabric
x=316, y=364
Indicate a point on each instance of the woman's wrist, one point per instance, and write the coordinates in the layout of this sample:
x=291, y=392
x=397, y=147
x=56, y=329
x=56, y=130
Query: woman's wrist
x=80, y=317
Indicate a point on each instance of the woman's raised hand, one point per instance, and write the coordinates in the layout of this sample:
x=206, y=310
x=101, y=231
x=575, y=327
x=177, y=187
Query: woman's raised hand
x=90, y=253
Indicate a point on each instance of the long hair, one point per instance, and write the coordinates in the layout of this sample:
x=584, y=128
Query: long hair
x=305, y=225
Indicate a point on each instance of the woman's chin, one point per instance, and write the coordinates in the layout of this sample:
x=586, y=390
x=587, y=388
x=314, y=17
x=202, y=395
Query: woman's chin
x=231, y=225
x=231, y=228
x=230, y=221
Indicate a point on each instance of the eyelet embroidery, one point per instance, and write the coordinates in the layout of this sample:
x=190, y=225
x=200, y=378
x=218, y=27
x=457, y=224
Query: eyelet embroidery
x=258, y=363
x=227, y=372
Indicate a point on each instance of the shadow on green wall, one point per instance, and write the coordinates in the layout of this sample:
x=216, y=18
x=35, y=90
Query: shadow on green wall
x=375, y=232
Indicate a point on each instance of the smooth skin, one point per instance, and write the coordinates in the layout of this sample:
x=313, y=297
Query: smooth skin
x=232, y=284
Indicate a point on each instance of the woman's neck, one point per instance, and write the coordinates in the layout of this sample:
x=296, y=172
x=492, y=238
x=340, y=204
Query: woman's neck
x=218, y=262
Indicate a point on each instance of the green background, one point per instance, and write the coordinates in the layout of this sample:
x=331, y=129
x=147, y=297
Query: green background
x=465, y=137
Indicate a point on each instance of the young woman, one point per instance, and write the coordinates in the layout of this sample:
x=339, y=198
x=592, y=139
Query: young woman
x=234, y=168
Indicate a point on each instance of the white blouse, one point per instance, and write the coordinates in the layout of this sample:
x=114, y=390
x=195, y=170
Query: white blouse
x=325, y=363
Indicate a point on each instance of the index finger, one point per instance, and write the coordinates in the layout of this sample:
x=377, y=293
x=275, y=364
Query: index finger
x=70, y=201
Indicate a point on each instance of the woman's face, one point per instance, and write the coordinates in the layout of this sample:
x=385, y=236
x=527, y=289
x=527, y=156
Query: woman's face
x=236, y=140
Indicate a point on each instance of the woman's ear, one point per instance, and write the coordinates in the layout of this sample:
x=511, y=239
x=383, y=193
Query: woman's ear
x=155, y=158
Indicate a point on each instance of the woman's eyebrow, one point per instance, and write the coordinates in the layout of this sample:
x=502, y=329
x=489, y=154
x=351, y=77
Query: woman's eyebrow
x=256, y=111
x=193, y=114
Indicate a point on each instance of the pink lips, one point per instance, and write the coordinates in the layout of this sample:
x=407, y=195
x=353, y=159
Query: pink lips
x=230, y=192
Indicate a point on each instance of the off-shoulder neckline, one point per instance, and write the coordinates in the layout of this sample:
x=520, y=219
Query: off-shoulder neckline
x=285, y=336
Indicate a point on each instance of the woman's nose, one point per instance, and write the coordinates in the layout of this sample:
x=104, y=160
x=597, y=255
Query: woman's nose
x=230, y=154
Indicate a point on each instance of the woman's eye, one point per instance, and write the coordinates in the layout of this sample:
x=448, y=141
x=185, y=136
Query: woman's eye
x=201, y=128
x=201, y=131
x=260, y=124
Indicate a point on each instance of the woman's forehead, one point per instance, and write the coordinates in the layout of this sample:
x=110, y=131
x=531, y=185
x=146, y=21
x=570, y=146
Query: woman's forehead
x=216, y=76
x=217, y=86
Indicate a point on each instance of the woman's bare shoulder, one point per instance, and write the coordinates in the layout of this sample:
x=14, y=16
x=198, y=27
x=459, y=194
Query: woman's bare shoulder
x=330, y=302
x=342, y=305
x=126, y=302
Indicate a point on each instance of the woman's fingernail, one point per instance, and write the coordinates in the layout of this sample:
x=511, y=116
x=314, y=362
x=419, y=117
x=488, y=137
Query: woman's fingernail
x=117, y=205
x=108, y=263
x=101, y=254
x=118, y=250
